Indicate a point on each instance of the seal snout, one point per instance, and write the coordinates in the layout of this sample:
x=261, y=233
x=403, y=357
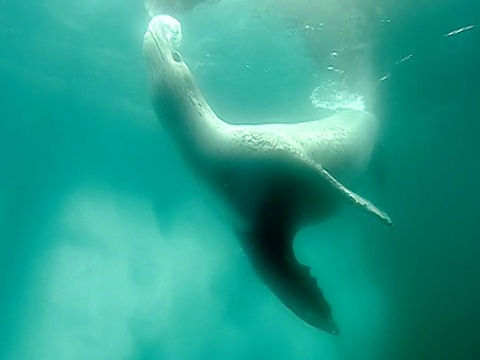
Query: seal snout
x=166, y=30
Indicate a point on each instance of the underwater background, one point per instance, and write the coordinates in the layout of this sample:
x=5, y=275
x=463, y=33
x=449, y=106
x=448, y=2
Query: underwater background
x=111, y=249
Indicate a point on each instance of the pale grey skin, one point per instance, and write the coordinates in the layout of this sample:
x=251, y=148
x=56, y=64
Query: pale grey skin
x=276, y=178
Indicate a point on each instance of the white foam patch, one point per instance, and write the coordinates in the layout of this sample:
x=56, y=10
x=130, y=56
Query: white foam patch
x=336, y=96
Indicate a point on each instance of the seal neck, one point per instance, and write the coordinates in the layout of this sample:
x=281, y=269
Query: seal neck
x=186, y=115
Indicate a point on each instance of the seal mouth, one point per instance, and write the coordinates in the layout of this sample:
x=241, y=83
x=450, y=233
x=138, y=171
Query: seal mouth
x=150, y=36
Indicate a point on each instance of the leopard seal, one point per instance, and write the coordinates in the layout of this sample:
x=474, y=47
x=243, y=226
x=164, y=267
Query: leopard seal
x=275, y=178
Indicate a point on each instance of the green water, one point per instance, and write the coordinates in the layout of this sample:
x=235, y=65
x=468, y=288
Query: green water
x=110, y=249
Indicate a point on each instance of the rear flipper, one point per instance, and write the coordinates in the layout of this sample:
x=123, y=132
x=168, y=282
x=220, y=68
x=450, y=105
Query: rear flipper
x=270, y=250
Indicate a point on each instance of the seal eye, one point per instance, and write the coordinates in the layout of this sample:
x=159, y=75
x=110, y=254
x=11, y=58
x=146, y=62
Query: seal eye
x=176, y=56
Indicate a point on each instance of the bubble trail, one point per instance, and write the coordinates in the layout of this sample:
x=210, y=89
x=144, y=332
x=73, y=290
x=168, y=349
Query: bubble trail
x=460, y=30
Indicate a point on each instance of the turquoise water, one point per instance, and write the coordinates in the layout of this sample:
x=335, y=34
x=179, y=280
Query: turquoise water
x=110, y=249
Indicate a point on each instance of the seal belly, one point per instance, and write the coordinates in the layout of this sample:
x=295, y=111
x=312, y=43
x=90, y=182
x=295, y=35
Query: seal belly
x=247, y=186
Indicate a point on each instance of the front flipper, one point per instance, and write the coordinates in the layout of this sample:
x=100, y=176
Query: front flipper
x=350, y=195
x=270, y=250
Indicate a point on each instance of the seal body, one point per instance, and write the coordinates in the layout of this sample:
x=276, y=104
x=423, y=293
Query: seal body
x=276, y=178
